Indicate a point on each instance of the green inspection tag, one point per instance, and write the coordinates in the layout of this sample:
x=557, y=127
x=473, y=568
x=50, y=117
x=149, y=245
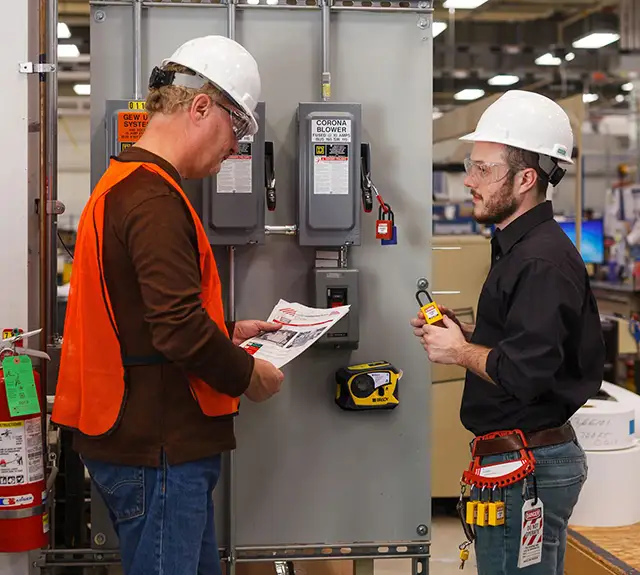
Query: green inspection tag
x=20, y=385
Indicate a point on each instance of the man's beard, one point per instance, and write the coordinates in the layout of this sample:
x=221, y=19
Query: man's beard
x=501, y=206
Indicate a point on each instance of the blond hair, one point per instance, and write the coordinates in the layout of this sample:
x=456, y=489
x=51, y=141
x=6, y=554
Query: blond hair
x=169, y=99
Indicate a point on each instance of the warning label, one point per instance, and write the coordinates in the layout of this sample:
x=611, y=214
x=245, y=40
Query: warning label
x=236, y=172
x=131, y=126
x=331, y=169
x=21, y=452
x=331, y=130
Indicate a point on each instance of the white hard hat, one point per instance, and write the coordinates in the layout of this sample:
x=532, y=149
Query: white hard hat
x=227, y=65
x=528, y=121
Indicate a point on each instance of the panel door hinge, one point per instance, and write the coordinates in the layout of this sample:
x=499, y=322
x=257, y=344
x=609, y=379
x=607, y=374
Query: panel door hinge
x=31, y=68
x=54, y=207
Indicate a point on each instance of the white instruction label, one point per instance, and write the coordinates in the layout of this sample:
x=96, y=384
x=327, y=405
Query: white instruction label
x=380, y=378
x=531, y=534
x=13, y=469
x=236, y=172
x=21, y=452
x=329, y=130
x=331, y=169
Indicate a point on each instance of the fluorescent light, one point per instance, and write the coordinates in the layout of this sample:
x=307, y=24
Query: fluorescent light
x=596, y=40
x=82, y=89
x=68, y=51
x=469, y=94
x=438, y=28
x=63, y=31
x=503, y=80
x=627, y=87
x=588, y=98
x=620, y=98
x=463, y=4
x=570, y=56
x=548, y=59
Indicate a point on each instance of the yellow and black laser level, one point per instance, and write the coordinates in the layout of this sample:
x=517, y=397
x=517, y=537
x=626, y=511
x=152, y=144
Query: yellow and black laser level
x=368, y=386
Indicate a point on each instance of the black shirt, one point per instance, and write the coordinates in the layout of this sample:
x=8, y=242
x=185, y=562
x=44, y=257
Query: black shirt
x=539, y=317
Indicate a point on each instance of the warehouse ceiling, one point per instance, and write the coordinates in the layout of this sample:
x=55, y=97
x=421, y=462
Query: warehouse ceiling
x=529, y=40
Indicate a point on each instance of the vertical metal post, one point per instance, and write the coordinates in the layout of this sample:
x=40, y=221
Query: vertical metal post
x=231, y=501
x=137, y=49
x=52, y=171
x=326, y=54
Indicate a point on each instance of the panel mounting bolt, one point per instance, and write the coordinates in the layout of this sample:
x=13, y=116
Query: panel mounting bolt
x=423, y=23
x=100, y=539
x=422, y=530
x=423, y=5
x=100, y=16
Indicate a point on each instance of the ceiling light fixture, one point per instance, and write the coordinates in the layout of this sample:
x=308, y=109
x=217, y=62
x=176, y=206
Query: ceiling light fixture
x=503, y=80
x=82, y=89
x=63, y=31
x=627, y=87
x=463, y=4
x=469, y=94
x=620, y=98
x=548, y=59
x=589, y=98
x=438, y=28
x=570, y=56
x=596, y=40
x=68, y=51
x=437, y=114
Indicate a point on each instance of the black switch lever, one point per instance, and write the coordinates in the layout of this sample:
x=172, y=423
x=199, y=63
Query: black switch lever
x=270, y=176
x=365, y=177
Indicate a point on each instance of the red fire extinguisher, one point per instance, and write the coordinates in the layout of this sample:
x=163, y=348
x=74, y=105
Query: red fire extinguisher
x=24, y=521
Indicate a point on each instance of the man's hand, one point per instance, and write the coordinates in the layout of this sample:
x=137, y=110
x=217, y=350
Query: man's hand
x=419, y=322
x=443, y=344
x=247, y=329
x=266, y=380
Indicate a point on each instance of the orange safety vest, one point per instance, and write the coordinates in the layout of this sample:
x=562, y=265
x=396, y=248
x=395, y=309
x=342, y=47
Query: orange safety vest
x=91, y=387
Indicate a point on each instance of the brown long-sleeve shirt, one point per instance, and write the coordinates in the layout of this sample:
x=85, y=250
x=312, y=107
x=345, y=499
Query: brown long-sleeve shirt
x=152, y=275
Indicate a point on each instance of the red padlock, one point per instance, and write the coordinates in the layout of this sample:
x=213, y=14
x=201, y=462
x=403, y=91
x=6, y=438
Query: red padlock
x=384, y=225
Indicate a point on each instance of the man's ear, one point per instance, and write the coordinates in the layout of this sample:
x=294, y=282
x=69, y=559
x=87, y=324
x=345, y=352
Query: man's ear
x=528, y=180
x=200, y=107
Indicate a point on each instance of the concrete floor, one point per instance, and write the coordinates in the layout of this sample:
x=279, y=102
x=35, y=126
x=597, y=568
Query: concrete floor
x=446, y=536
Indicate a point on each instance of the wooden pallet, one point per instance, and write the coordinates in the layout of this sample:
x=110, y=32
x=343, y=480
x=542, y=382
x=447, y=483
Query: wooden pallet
x=603, y=551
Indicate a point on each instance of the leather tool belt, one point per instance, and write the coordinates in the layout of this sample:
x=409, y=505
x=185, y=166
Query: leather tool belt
x=483, y=446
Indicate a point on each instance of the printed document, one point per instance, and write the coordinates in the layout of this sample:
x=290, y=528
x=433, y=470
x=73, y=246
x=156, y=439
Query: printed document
x=301, y=327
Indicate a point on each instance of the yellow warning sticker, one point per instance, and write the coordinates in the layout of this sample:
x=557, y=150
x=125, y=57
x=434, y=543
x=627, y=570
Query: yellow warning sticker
x=137, y=105
x=131, y=125
x=11, y=424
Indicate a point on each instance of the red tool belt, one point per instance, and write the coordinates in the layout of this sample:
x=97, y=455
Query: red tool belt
x=506, y=473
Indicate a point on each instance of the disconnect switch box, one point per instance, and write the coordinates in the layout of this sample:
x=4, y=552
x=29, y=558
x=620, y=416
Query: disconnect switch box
x=329, y=174
x=233, y=206
x=335, y=288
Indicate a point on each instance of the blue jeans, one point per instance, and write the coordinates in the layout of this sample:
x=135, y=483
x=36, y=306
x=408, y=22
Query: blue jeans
x=163, y=516
x=560, y=472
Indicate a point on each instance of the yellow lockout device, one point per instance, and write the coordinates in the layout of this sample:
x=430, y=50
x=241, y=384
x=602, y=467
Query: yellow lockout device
x=482, y=519
x=472, y=512
x=368, y=386
x=496, y=513
x=429, y=309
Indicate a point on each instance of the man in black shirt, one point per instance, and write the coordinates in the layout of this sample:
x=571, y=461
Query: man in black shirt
x=536, y=353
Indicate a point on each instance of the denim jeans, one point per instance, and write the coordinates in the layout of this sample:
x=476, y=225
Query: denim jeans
x=163, y=516
x=560, y=473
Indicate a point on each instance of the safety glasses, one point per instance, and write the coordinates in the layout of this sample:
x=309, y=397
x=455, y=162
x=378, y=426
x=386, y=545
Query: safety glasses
x=486, y=172
x=239, y=122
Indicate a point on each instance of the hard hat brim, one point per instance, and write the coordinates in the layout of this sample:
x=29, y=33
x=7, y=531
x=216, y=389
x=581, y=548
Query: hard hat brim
x=479, y=137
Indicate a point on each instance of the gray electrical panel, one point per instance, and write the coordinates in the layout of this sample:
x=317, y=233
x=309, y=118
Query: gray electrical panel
x=234, y=200
x=333, y=288
x=329, y=174
x=125, y=121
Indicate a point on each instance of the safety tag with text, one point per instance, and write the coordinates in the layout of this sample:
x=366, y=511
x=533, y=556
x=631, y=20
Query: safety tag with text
x=531, y=534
